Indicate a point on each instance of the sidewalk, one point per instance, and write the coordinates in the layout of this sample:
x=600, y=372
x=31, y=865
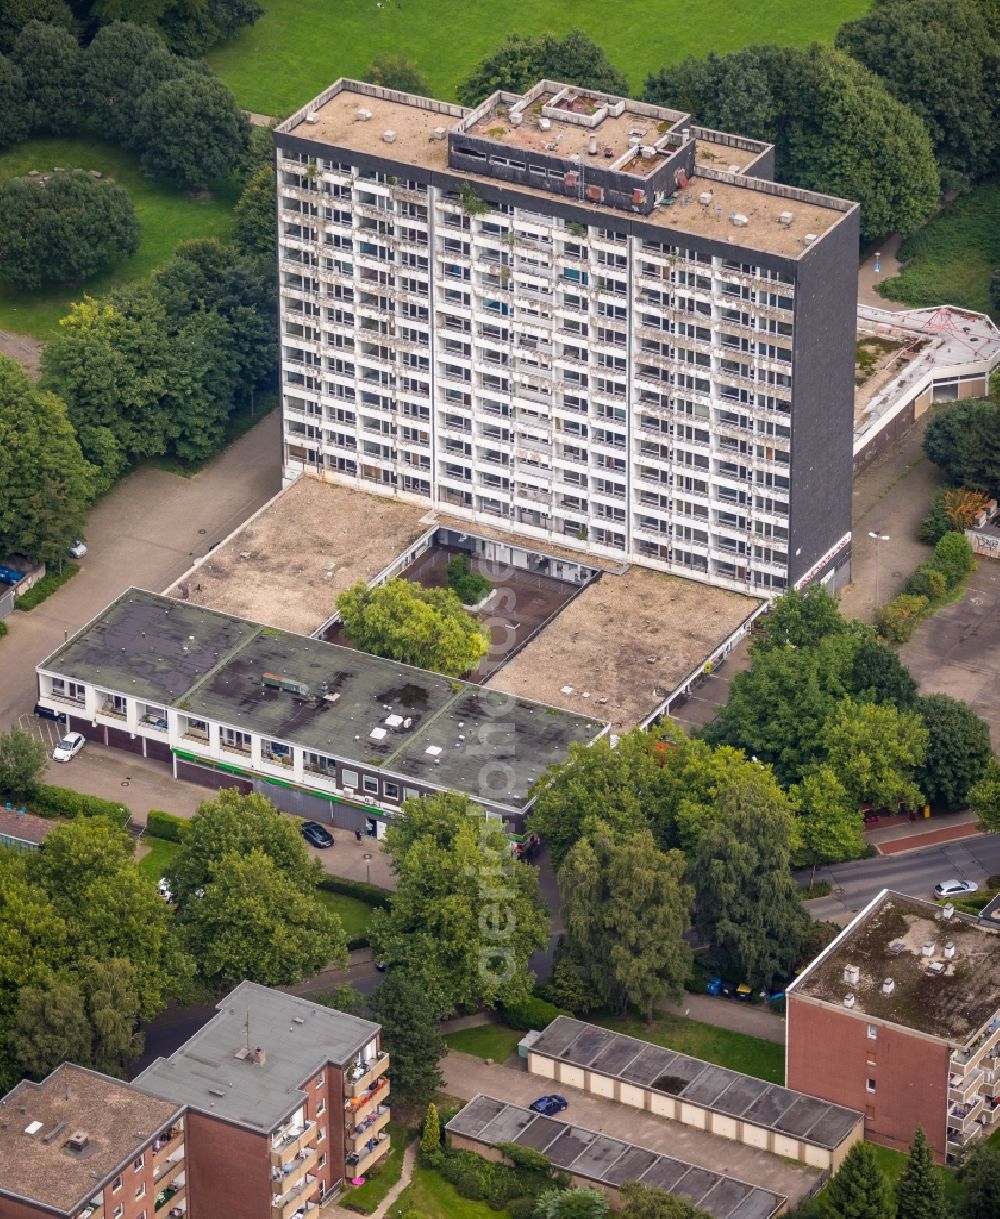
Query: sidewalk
x=888, y=267
x=753, y=1019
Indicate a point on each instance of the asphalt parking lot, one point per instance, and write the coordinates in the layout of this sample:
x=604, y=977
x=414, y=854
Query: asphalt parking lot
x=466, y=1075
x=957, y=651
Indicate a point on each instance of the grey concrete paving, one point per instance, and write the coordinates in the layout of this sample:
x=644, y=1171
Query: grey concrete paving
x=957, y=651
x=890, y=496
x=754, y=1019
x=889, y=266
x=466, y=1075
x=147, y=532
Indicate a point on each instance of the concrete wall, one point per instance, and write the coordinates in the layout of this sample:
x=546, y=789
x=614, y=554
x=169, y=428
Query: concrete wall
x=689, y=1114
x=830, y=1055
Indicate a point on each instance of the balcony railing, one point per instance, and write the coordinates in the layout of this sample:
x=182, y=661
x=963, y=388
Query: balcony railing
x=358, y=1108
x=358, y=1135
x=291, y=1143
x=163, y=1174
x=285, y=1178
x=359, y=1164
x=356, y=1085
x=296, y=1198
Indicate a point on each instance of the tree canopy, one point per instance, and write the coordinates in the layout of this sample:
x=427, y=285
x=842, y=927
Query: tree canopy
x=858, y=1189
x=522, y=60
x=426, y=627
x=63, y=228
x=984, y=797
x=920, y=1190
x=23, y=758
x=831, y=120
x=396, y=71
x=191, y=131
x=45, y=482
x=14, y=119
x=51, y=61
x=964, y=441
x=625, y=910
x=465, y=916
x=411, y=1035
x=876, y=752
x=941, y=58
x=958, y=748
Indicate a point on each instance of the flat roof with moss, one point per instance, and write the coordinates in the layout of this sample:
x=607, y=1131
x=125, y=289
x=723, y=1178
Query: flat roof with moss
x=945, y=971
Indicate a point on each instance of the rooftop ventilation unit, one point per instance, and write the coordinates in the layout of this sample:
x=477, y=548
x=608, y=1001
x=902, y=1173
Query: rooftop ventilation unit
x=439, y=133
x=888, y=986
x=936, y=967
x=363, y=115
x=515, y=119
x=311, y=116
x=389, y=137
x=685, y=134
x=927, y=950
x=592, y=146
x=949, y=952
x=705, y=198
x=947, y=912
x=739, y=220
x=809, y=238
x=78, y=1140
x=648, y=150
x=786, y=218
x=544, y=124
x=852, y=975
x=848, y=1001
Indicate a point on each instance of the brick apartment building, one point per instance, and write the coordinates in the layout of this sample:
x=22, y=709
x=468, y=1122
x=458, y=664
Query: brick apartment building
x=283, y=1100
x=900, y=1018
x=80, y=1145
x=577, y=317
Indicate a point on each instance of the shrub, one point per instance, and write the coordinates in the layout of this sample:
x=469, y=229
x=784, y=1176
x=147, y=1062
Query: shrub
x=46, y=586
x=531, y=1013
x=3, y=629
x=937, y=522
x=165, y=825
x=954, y=557
x=927, y=581
x=469, y=585
x=64, y=802
x=898, y=620
x=371, y=894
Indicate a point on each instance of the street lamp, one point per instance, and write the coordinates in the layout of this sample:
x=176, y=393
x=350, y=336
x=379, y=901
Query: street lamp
x=368, y=867
x=877, y=538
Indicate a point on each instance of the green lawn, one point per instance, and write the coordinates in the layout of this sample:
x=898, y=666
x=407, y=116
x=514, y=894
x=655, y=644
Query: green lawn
x=300, y=46
x=495, y=1041
x=739, y=1052
x=167, y=217
x=367, y=1197
x=430, y=1194
x=892, y=1164
x=160, y=857
x=354, y=913
x=951, y=259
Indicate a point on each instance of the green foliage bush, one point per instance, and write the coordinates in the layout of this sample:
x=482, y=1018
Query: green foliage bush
x=898, y=620
x=3, y=629
x=46, y=586
x=65, y=802
x=497, y=1184
x=532, y=1013
x=165, y=825
x=371, y=894
x=927, y=581
x=954, y=557
x=937, y=522
x=469, y=585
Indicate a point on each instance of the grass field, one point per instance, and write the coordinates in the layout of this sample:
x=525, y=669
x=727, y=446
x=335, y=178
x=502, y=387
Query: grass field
x=160, y=857
x=951, y=259
x=354, y=913
x=495, y=1041
x=367, y=1197
x=300, y=46
x=739, y=1052
x=430, y=1194
x=167, y=216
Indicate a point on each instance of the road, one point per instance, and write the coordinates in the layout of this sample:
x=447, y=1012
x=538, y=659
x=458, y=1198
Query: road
x=914, y=873
x=147, y=533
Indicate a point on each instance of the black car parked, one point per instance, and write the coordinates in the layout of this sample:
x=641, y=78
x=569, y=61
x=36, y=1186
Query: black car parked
x=316, y=834
x=46, y=713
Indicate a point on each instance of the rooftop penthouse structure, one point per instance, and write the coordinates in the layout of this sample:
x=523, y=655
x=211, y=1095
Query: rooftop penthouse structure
x=578, y=317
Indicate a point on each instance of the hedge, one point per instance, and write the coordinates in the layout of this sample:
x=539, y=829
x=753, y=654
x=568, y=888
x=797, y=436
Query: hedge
x=46, y=586
x=371, y=894
x=931, y=586
x=165, y=825
x=3, y=629
x=64, y=802
x=532, y=1013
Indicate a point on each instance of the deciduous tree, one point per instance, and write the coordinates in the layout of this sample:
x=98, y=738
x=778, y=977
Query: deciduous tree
x=964, y=441
x=255, y=224
x=626, y=910
x=23, y=759
x=63, y=229
x=984, y=797
x=981, y=1177
x=51, y=61
x=645, y=1202
x=191, y=131
x=255, y=921
x=829, y=826
x=958, y=748
x=426, y=627
x=747, y=905
x=465, y=916
x=14, y=117
x=409, y=1015
x=879, y=676
x=876, y=753
x=123, y=63
x=396, y=71
x=520, y=61
x=16, y=14
x=49, y=1027
x=45, y=482
x=800, y=618
x=582, y=1203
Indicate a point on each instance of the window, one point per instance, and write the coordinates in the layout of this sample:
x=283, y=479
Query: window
x=322, y=1161
x=371, y=784
x=118, y=1211
x=137, y=1163
x=320, y=1106
x=391, y=790
x=321, y=1135
x=116, y=1185
x=140, y=1192
x=870, y=1085
x=869, y=1113
x=349, y=778
x=872, y=1032
x=320, y=1080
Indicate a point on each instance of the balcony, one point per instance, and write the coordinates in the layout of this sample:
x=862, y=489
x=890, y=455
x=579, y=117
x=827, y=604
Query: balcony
x=963, y=1087
x=366, y=1129
x=359, y=1108
x=164, y=1174
x=291, y=1142
x=285, y=1178
x=171, y=1196
x=358, y=1081
x=965, y=1118
x=376, y=1149
x=295, y=1200
x=94, y=1209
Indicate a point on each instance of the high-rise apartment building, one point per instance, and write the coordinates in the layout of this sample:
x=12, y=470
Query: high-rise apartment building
x=575, y=317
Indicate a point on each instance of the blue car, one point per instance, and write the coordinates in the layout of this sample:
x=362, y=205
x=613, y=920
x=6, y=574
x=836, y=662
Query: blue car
x=549, y=1106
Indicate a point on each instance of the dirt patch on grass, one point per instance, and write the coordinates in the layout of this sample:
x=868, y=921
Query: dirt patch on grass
x=27, y=352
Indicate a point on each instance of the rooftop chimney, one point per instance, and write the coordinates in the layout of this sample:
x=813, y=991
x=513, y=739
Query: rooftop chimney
x=852, y=975
x=888, y=986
